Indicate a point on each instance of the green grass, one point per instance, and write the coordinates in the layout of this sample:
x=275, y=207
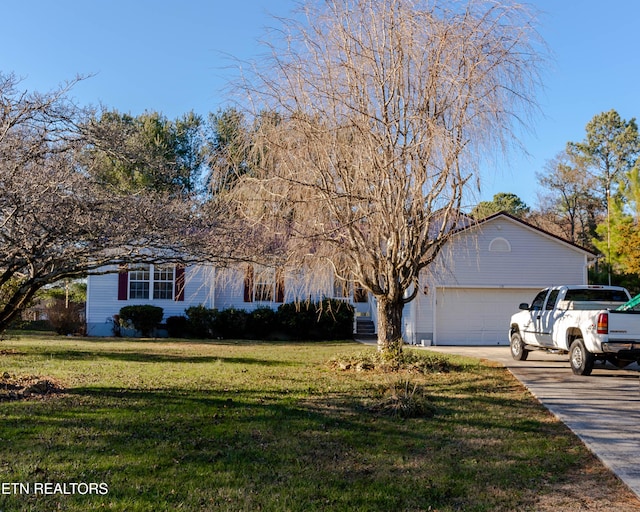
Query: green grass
x=188, y=425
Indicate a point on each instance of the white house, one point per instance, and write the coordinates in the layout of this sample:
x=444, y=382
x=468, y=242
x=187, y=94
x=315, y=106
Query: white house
x=175, y=289
x=480, y=277
x=467, y=297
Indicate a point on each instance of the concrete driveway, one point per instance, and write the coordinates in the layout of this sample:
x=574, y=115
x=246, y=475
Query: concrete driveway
x=602, y=409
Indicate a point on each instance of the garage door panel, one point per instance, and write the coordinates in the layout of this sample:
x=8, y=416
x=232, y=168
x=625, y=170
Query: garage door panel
x=467, y=316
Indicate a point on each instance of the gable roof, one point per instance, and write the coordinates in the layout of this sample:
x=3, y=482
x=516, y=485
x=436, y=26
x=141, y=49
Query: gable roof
x=477, y=223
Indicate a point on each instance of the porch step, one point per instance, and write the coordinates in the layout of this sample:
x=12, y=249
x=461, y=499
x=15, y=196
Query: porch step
x=365, y=327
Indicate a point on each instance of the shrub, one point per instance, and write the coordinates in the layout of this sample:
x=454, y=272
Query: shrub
x=298, y=320
x=404, y=399
x=232, y=323
x=64, y=318
x=143, y=318
x=201, y=322
x=335, y=319
x=329, y=319
x=326, y=320
x=178, y=326
x=262, y=323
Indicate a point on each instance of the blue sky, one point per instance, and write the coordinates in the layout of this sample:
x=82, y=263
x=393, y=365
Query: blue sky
x=175, y=57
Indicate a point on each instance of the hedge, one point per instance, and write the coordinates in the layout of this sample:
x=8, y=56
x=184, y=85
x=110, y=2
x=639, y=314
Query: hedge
x=325, y=320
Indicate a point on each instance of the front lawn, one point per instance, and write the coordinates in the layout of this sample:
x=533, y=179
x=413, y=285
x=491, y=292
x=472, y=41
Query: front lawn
x=165, y=425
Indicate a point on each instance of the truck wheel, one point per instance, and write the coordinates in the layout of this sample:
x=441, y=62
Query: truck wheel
x=518, y=352
x=580, y=358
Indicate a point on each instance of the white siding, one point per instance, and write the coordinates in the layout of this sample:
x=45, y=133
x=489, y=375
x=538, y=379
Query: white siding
x=103, y=303
x=534, y=259
x=230, y=290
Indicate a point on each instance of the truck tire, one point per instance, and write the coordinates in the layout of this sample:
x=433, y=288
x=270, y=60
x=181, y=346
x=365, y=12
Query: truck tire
x=518, y=352
x=580, y=358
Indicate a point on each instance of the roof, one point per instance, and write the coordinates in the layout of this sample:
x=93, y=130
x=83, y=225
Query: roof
x=506, y=215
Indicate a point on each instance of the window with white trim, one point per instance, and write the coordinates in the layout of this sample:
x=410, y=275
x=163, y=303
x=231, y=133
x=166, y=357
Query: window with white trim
x=263, y=284
x=152, y=282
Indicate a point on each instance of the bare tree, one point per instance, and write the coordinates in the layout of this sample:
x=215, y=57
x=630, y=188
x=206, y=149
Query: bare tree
x=570, y=201
x=56, y=221
x=382, y=111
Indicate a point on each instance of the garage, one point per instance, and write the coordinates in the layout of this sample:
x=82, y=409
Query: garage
x=469, y=292
x=477, y=316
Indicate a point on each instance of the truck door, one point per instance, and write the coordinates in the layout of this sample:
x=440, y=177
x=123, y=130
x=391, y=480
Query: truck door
x=545, y=319
x=532, y=324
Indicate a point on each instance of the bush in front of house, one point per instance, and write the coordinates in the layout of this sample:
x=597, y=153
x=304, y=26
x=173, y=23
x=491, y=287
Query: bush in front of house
x=335, y=319
x=325, y=320
x=178, y=327
x=202, y=322
x=144, y=318
x=231, y=323
x=262, y=323
x=328, y=319
x=298, y=320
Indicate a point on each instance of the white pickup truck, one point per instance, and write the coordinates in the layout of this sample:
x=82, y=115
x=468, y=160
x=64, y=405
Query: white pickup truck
x=590, y=323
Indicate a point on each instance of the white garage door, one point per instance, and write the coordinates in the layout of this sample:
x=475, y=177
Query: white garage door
x=470, y=316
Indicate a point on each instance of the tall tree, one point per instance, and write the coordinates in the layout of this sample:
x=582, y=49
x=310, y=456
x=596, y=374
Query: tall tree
x=147, y=152
x=611, y=146
x=384, y=108
x=624, y=226
x=570, y=199
x=228, y=148
x=57, y=220
x=501, y=202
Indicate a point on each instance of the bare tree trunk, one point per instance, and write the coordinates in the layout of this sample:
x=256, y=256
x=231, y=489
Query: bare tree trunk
x=390, y=326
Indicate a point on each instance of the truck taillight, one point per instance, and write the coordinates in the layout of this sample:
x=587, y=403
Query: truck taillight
x=603, y=323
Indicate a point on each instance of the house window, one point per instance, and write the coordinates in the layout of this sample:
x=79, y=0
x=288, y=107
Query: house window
x=262, y=284
x=139, y=281
x=265, y=284
x=151, y=282
x=163, y=283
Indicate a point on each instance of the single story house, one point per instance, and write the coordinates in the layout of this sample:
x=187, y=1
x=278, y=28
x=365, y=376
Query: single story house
x=466, y=297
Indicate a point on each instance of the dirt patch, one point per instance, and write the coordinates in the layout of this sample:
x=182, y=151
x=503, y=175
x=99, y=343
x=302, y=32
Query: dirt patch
x=593, y=488
x=27, y=387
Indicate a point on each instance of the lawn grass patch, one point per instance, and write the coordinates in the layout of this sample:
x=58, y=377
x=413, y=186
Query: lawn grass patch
x=233, y=425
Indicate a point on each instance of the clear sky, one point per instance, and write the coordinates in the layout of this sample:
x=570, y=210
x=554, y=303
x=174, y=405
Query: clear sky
x=174, y=57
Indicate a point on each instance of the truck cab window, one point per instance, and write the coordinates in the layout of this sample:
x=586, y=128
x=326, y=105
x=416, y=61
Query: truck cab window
x=551, y=301
x=539, y=300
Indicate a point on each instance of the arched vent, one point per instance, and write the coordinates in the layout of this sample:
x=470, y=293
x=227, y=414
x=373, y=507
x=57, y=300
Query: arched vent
x=499, y=245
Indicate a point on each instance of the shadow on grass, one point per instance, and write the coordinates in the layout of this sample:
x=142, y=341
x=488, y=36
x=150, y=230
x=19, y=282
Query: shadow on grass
x=204, y=450
x=150, y=357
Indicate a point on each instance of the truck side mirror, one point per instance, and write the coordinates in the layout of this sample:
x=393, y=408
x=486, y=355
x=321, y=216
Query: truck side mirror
x=523, y=305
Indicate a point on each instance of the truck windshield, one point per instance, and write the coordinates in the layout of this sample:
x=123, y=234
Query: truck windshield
x=596, y=294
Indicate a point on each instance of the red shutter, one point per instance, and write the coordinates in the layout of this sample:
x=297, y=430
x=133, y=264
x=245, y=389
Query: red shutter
x=279, y=285
x=179, y=283
x=248, y=284
x=123, y=283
